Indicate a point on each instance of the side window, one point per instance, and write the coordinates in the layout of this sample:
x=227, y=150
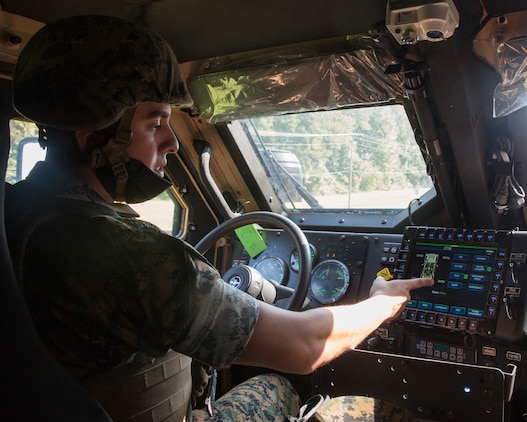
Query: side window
x=163, y=211
x=24, y=152
x=166, y=211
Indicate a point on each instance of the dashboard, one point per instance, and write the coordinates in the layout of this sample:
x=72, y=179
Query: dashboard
x=343, y=264
x=473, y=316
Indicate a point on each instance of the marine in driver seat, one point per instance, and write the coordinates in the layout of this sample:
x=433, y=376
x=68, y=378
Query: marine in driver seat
x=122, y=305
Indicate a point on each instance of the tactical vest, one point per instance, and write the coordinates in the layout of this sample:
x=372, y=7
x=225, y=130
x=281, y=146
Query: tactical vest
x=146, y=392
x=137, y=392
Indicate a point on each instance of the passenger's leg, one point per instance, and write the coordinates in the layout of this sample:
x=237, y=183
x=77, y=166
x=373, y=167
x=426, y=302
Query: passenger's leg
x=363, y=409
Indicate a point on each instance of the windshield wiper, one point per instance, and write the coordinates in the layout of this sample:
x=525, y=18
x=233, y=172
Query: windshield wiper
x=287, y=178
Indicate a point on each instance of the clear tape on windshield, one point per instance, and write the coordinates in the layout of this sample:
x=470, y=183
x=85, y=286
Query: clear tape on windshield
x=321, y=82
x=511, y=93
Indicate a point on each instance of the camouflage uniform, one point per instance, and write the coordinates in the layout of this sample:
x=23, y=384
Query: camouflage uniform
x=268, y=397
x=363, y=409
x=104, y=291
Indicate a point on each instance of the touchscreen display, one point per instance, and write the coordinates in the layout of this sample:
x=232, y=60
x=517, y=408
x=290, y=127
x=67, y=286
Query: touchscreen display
x=464, y=276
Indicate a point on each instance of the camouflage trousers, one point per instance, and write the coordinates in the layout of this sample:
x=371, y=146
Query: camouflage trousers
x=268, y=397
x=271, y=397
x=363, y=409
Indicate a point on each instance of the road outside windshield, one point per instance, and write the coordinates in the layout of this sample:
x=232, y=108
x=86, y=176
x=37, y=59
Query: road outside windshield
x=342, y=159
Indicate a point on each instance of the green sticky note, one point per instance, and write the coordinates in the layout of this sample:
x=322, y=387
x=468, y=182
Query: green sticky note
x=251, y=239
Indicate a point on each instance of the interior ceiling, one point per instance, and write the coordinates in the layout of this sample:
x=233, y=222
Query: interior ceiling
x=199, y=29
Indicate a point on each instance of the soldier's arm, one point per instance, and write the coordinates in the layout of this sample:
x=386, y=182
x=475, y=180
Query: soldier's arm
x=300, y=342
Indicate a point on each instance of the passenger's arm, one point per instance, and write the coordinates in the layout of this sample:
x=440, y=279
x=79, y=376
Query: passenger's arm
x=300, y=342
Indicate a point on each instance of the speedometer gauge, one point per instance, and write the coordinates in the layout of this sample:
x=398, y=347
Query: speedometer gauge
x=329, y=281
x=273, y=268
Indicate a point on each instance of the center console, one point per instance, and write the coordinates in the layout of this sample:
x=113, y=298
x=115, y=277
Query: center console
x=477, y=298
x=474, y=314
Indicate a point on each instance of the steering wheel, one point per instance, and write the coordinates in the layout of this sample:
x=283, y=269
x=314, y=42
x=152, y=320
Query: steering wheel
x=298, y=296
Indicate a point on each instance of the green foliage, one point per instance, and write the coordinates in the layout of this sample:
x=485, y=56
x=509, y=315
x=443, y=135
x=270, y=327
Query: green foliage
x=362, y=150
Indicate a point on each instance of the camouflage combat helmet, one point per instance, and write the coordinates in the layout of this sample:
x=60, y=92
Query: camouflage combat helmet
x=84, y=72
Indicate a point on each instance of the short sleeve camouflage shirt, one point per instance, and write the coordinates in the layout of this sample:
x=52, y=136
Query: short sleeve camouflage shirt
x=103, y=289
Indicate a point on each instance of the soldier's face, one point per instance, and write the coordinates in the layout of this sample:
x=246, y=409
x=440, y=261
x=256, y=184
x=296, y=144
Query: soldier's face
x=152, y=136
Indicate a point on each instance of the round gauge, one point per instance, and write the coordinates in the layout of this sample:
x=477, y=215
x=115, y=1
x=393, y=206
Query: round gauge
x=294, y=260
x=273, y=268
x=329, y=281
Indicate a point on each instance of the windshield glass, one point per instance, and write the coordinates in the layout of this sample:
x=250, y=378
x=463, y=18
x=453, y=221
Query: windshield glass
x=361, y=158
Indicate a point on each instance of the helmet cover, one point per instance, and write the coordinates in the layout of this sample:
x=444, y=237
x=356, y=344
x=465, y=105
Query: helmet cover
x=84, y=72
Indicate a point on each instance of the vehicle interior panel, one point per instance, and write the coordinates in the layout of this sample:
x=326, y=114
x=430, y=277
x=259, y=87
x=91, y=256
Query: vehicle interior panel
x=468, y=327
x=397, y=148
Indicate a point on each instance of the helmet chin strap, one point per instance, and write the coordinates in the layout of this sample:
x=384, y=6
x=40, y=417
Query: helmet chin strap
x=112, y=154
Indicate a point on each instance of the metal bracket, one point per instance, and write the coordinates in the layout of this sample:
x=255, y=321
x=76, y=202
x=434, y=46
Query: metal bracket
x=432, y=389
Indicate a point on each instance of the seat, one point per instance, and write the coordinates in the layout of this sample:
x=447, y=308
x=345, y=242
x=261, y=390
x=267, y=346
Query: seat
x=34, y=387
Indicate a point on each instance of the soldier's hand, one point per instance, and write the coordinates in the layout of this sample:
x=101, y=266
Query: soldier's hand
x=397, y=290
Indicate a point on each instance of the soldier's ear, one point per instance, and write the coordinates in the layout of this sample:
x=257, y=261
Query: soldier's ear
x=88, y=140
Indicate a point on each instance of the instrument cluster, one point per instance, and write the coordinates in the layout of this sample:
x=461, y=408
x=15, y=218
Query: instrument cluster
x=337, y=261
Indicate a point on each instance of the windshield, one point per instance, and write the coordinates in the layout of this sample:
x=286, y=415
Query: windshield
x=360, y=158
